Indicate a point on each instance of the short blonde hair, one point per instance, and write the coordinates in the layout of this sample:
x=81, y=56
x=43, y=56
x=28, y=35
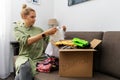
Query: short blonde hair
x=26, y=10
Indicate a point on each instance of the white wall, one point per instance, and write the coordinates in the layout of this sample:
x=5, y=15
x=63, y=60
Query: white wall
x=94, y=15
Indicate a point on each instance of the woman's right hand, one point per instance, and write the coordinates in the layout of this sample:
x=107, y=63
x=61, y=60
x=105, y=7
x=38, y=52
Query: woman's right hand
x=50, y=31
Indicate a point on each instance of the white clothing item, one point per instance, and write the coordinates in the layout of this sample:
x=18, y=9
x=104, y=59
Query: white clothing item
x=51, y=49
x=59, y=35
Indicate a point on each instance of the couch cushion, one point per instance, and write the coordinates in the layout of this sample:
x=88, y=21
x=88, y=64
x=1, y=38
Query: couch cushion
x=110, y=58
x=55, y=76
x=88, y=36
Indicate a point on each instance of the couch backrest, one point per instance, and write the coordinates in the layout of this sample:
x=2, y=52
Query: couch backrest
x=88, y=36
x=110, y=58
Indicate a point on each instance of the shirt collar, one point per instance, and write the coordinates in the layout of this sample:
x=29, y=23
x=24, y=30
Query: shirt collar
x=27, y=28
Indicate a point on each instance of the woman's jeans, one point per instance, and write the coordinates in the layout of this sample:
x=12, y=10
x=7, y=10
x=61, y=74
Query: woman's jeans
x=24, y=72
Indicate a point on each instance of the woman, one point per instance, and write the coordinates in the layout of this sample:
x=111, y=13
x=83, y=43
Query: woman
x=31, y=41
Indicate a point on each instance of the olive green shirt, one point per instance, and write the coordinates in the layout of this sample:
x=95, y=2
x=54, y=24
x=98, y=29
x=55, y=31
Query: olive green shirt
x=33, y=52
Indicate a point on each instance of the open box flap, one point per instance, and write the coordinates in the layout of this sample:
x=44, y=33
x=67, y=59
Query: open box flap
x=95, y=42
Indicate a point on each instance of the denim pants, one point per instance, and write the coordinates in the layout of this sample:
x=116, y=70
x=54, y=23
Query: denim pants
x=24, y=72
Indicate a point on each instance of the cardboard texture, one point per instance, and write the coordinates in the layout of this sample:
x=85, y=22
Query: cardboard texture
x=95, y=42
x=77, y=62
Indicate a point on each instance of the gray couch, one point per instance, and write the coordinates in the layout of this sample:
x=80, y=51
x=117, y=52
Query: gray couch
x=106, y=62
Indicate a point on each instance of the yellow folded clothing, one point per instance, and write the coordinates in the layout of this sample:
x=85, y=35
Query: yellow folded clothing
x=65, y=42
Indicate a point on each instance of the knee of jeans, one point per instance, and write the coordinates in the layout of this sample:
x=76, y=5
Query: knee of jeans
x=25, y=67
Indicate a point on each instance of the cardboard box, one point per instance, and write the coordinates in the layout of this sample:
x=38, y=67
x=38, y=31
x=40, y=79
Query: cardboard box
x=77, y=62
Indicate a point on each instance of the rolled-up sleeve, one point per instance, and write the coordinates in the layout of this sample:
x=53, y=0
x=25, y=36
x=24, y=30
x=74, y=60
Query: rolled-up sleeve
x=21, y=36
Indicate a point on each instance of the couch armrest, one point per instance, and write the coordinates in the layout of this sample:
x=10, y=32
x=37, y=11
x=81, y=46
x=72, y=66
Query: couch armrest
x=15, y=46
